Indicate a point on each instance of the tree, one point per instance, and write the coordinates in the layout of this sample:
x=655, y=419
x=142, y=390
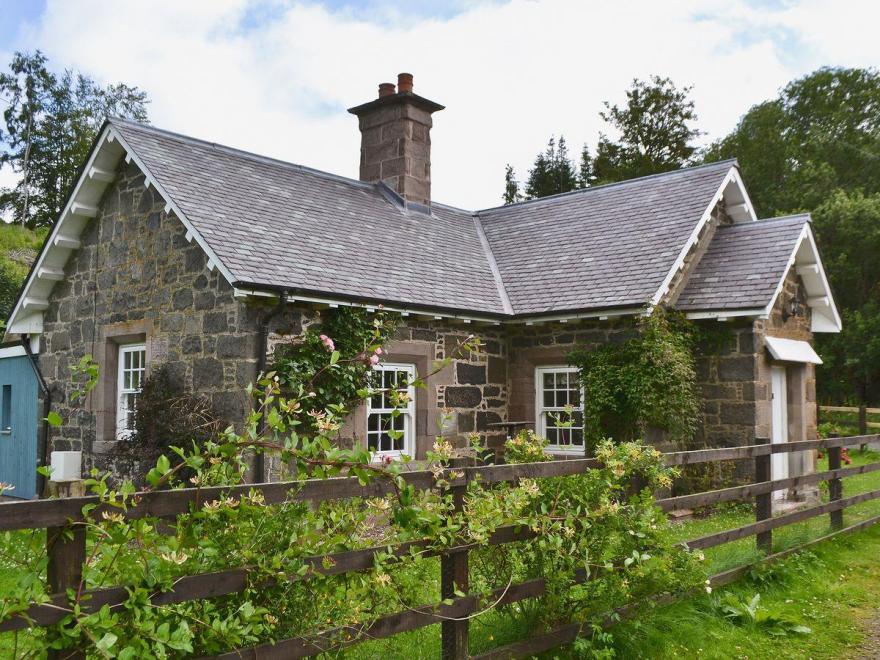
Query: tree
x=820, y=134
x=511, y=186
x=848, y=231
x=655, y=130
x=50, y=123
x=552, y=173
x=585, y=169
x=816, y=147
x=18, y=248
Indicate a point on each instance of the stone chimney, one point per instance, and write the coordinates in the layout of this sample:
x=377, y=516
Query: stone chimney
x=396, y=139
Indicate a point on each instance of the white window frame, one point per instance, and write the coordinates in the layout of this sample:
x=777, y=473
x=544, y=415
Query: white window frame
x=123, y=433
x=541, y=411
x=408, y=414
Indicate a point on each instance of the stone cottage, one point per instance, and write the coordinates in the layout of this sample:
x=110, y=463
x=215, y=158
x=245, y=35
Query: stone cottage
x=181, y=252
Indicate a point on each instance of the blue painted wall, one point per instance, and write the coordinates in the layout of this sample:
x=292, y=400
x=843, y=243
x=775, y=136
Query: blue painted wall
x=18, y=426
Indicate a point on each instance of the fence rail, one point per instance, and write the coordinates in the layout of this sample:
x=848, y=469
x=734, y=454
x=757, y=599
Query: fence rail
x=66, y=551
x=862, y=412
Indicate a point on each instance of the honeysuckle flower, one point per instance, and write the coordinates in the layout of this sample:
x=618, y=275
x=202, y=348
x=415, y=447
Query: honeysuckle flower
x=328, y=343
x=175, y=557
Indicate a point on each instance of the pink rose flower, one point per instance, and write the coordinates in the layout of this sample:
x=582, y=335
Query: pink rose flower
x=374, y=359
x=378, y=350
x=328, y=343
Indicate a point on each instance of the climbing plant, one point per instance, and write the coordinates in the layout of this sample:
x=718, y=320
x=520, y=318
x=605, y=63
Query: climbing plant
x=591, y=525
x=647, y=382
x=352, y=338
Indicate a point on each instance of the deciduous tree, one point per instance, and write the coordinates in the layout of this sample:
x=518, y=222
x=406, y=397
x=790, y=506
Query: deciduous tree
x=655, y=128
x=49, y=125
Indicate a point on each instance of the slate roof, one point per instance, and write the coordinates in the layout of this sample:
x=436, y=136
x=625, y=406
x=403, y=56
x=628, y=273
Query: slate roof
x=275, y=224
x=743, y=265
x=607, y=246
x=283, y=225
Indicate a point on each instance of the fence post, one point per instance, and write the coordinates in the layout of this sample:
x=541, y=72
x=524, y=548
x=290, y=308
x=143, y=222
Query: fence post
x=763, y=502
x=66, y=551
x=863, y=425
x=835, y=487
x=454, y=576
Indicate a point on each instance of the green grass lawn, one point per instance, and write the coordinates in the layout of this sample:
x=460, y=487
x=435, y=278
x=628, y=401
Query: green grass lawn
x=831, y=588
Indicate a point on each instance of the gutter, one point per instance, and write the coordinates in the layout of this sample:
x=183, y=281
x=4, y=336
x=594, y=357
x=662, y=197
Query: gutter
x=43, y=442
x=263, y=347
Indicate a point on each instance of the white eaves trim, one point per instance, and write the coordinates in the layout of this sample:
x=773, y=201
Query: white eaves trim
x=808, y=265
x=602, y=315
x=370, y=307
x=734, y=191
x=724, y=315
x=150, y=180
x=81, y=207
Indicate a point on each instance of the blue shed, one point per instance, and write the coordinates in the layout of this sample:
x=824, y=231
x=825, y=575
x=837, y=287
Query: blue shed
x=18, y=422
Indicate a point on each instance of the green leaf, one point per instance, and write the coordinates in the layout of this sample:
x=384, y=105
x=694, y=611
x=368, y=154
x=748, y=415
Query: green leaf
x=334, y=357
x=106, y=642
x=54, y=419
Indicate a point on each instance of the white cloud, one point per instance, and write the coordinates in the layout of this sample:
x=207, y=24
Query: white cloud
x=509, y=74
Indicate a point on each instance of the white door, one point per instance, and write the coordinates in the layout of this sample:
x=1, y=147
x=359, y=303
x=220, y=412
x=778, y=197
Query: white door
x=779, y=462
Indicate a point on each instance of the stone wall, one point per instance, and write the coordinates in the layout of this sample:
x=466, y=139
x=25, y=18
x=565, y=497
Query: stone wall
x=136, y=278
x=467, y=395
x=801, y=381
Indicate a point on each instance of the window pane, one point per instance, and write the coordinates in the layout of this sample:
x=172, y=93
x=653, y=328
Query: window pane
x=548, y=380
x=562, y=379
x=548, y=399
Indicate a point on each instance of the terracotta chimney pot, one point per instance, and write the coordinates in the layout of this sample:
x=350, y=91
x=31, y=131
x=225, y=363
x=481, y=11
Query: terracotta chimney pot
x=404, y=83
x=386, y=89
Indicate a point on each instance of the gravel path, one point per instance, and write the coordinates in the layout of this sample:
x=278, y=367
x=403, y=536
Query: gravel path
x=871, y=648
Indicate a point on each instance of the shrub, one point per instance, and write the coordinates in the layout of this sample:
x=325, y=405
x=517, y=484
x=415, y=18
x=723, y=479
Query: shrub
x=645, y=383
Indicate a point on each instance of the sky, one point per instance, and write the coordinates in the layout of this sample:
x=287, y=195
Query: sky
x=276, y=76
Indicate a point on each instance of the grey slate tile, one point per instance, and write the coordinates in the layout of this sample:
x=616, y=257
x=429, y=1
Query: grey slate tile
x=282, y=225
x=743, y=265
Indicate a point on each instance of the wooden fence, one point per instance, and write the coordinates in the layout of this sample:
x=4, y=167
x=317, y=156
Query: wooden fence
x=66, y=544
x=862, y=416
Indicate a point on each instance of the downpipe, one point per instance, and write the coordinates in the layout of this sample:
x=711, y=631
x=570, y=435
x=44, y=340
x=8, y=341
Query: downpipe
x=43, y=442
x=263, y=347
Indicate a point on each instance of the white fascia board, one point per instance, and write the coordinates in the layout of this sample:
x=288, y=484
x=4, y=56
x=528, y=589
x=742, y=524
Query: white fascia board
x=826, y=288
x=732, y=178
x=822, y=321
x=723, y=314
x=18, y=324
x=602, y=315
x=148, y=177
x=433, y=314
x=335, y=302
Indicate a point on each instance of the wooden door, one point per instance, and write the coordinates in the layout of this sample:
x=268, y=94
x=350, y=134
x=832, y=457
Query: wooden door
x=18, y=426
x=779, y=390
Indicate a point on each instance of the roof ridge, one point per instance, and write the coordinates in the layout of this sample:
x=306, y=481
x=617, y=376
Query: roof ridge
x=603, y=186
x=493, y=266
x=240, y=152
